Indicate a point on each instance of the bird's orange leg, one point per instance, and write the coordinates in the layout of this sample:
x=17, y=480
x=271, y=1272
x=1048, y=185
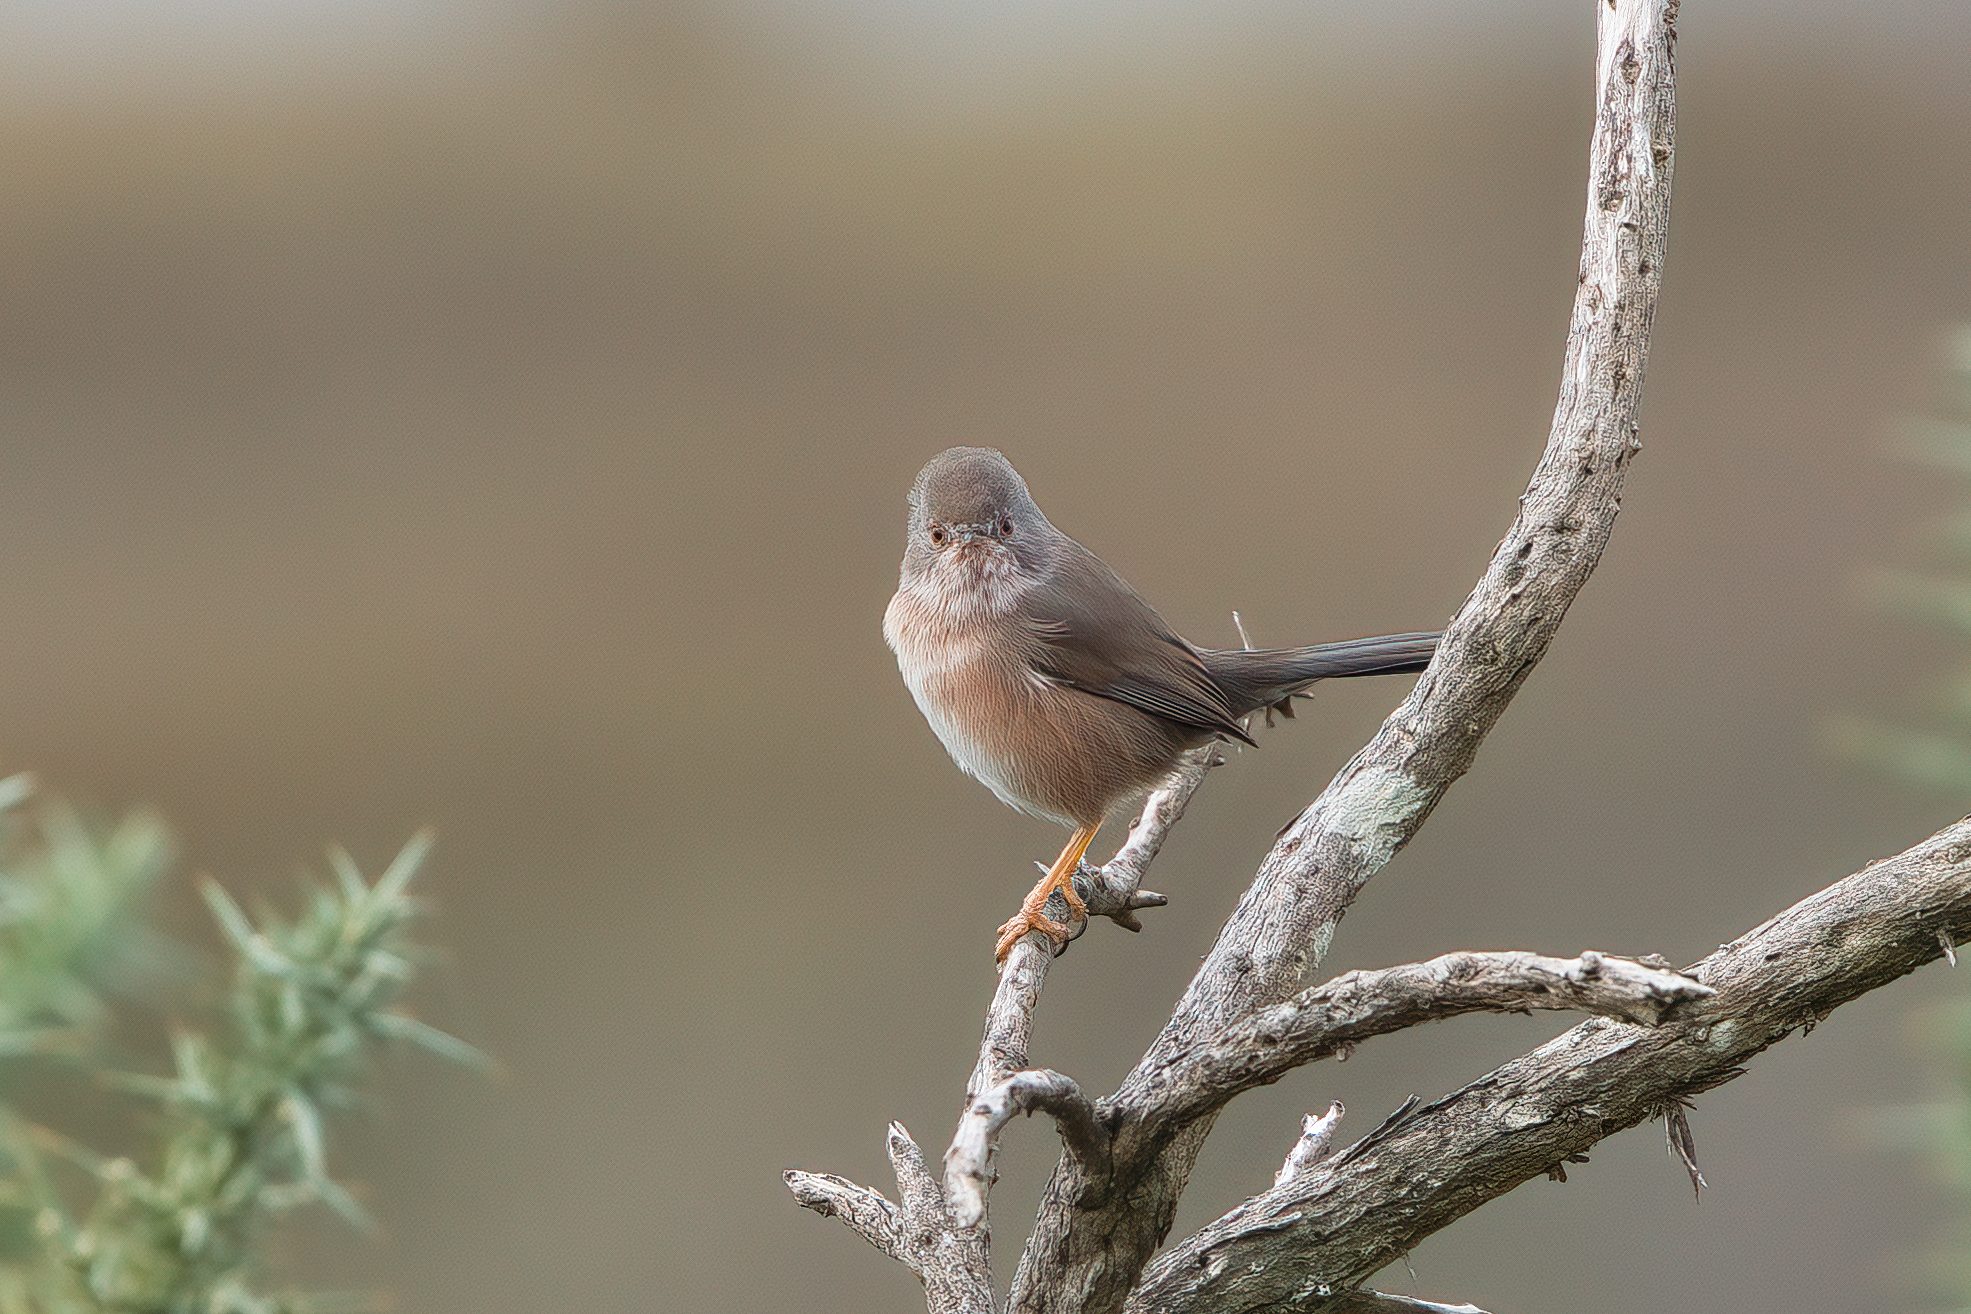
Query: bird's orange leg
x=1032, y=915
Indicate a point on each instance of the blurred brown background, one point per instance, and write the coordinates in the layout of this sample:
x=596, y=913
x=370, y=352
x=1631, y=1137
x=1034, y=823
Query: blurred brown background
x=499, y=417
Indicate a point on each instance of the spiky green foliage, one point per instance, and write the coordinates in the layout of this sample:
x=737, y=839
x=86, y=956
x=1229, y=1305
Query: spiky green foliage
x=70, y=897
x=241, y=1123
x=1934, y=756
x=71, y=935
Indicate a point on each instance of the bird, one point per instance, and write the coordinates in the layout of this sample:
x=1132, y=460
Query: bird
x=1054, y=682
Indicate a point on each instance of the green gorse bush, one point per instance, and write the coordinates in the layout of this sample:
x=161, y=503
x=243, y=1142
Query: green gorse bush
x=241, y=1122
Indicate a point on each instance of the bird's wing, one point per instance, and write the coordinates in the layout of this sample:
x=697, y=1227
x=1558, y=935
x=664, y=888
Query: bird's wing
x=1095, y=634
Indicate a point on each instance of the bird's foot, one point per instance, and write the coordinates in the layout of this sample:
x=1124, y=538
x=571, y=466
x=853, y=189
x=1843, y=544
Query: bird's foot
x=1033, y=910
x=1029, y=919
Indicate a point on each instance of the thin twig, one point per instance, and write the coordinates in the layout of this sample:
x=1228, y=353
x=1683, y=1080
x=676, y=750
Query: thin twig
x=866, y=1212
x=1677, y=1134
x=1114, y=889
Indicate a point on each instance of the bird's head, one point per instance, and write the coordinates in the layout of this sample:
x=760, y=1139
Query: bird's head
x=974, y=534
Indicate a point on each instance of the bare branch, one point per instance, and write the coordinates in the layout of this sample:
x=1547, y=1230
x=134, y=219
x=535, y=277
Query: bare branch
x=1331, y=1019
x=1317, y=1133
x=967, y=1164
x=1090, y=1247
x=866, y=1212
x=918, y=1232
x=1373, y=1202
x=1114, y=890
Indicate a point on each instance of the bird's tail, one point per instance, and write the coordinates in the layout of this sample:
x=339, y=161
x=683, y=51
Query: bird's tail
x=1253, y=678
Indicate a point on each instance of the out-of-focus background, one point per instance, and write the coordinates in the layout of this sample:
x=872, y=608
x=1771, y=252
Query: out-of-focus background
x=498, y=416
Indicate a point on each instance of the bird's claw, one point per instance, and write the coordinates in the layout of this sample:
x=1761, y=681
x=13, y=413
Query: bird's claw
x=1029, y=920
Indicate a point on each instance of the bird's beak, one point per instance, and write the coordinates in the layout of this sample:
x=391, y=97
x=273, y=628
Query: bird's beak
x=976, y=543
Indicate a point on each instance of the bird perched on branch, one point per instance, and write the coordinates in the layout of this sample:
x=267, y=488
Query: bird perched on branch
x=1050, y=680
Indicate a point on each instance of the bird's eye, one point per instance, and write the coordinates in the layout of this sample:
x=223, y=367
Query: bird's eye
x=937, y=536
x=1006, y=526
